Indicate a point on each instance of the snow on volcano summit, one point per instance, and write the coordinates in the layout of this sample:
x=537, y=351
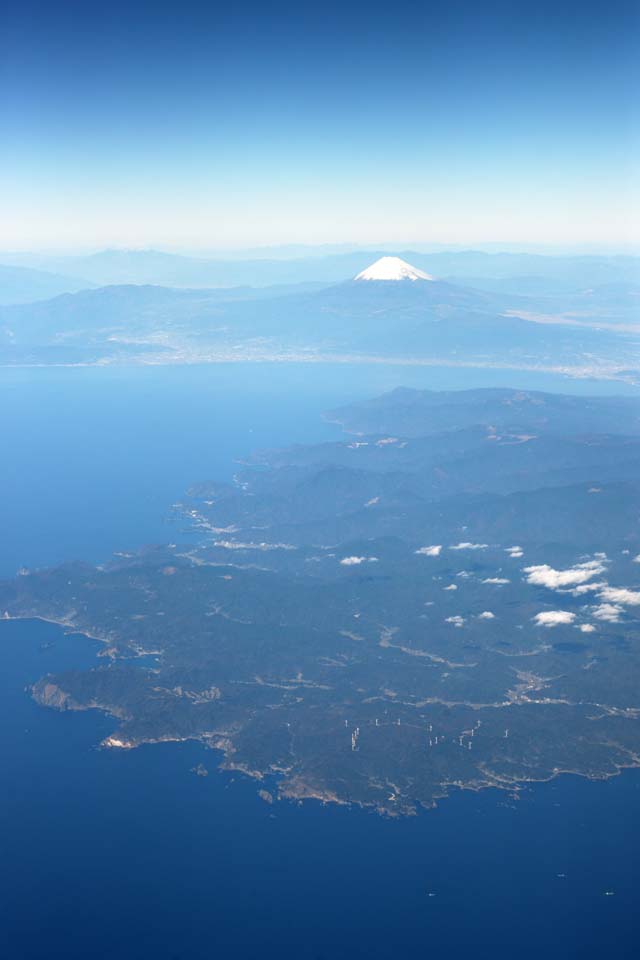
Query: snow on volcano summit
x=392, y=268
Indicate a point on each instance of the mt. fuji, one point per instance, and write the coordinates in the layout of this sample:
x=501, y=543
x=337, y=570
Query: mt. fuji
x=392, y=268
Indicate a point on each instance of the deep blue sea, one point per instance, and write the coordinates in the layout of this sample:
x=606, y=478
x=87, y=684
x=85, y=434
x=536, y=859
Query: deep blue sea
x=113, y=855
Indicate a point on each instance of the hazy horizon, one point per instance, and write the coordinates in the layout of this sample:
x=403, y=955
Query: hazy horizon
x=294, y=250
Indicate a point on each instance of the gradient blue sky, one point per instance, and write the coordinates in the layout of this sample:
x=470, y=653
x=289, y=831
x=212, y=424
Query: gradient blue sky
x=191, y=124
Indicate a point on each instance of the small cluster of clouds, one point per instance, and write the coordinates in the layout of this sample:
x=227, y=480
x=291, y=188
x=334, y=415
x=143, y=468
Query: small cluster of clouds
x=579, y=579
x=354, y=561
x=554, y=618
x=544, y=575
x=433, y=551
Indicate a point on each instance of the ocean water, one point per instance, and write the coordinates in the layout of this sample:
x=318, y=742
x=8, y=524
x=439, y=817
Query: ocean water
x=129, y=855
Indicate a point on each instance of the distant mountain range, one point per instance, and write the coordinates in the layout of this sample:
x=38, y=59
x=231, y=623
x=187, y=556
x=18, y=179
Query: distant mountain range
x=390, y=310
x=520, y=272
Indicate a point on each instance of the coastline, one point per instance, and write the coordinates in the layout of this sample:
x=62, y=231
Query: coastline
x=610, y=371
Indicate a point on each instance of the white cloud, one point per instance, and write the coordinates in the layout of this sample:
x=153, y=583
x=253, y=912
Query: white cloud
x=587, y=628
x=354, y=561
x=637, y=559
x=621, y=595
x=608, y=612
x=545, y=576
x=500, y=580
x=456, y=621
x=451, y=586
x=469, y=546
x=514, y=552
x=433, y=551
x=486, y=615
x=554, y=618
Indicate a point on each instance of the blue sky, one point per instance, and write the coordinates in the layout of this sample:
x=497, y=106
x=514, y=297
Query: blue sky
x=186, y=125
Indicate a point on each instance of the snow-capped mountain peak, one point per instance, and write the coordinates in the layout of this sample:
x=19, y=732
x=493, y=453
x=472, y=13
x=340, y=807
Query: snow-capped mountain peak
x=392, y=268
